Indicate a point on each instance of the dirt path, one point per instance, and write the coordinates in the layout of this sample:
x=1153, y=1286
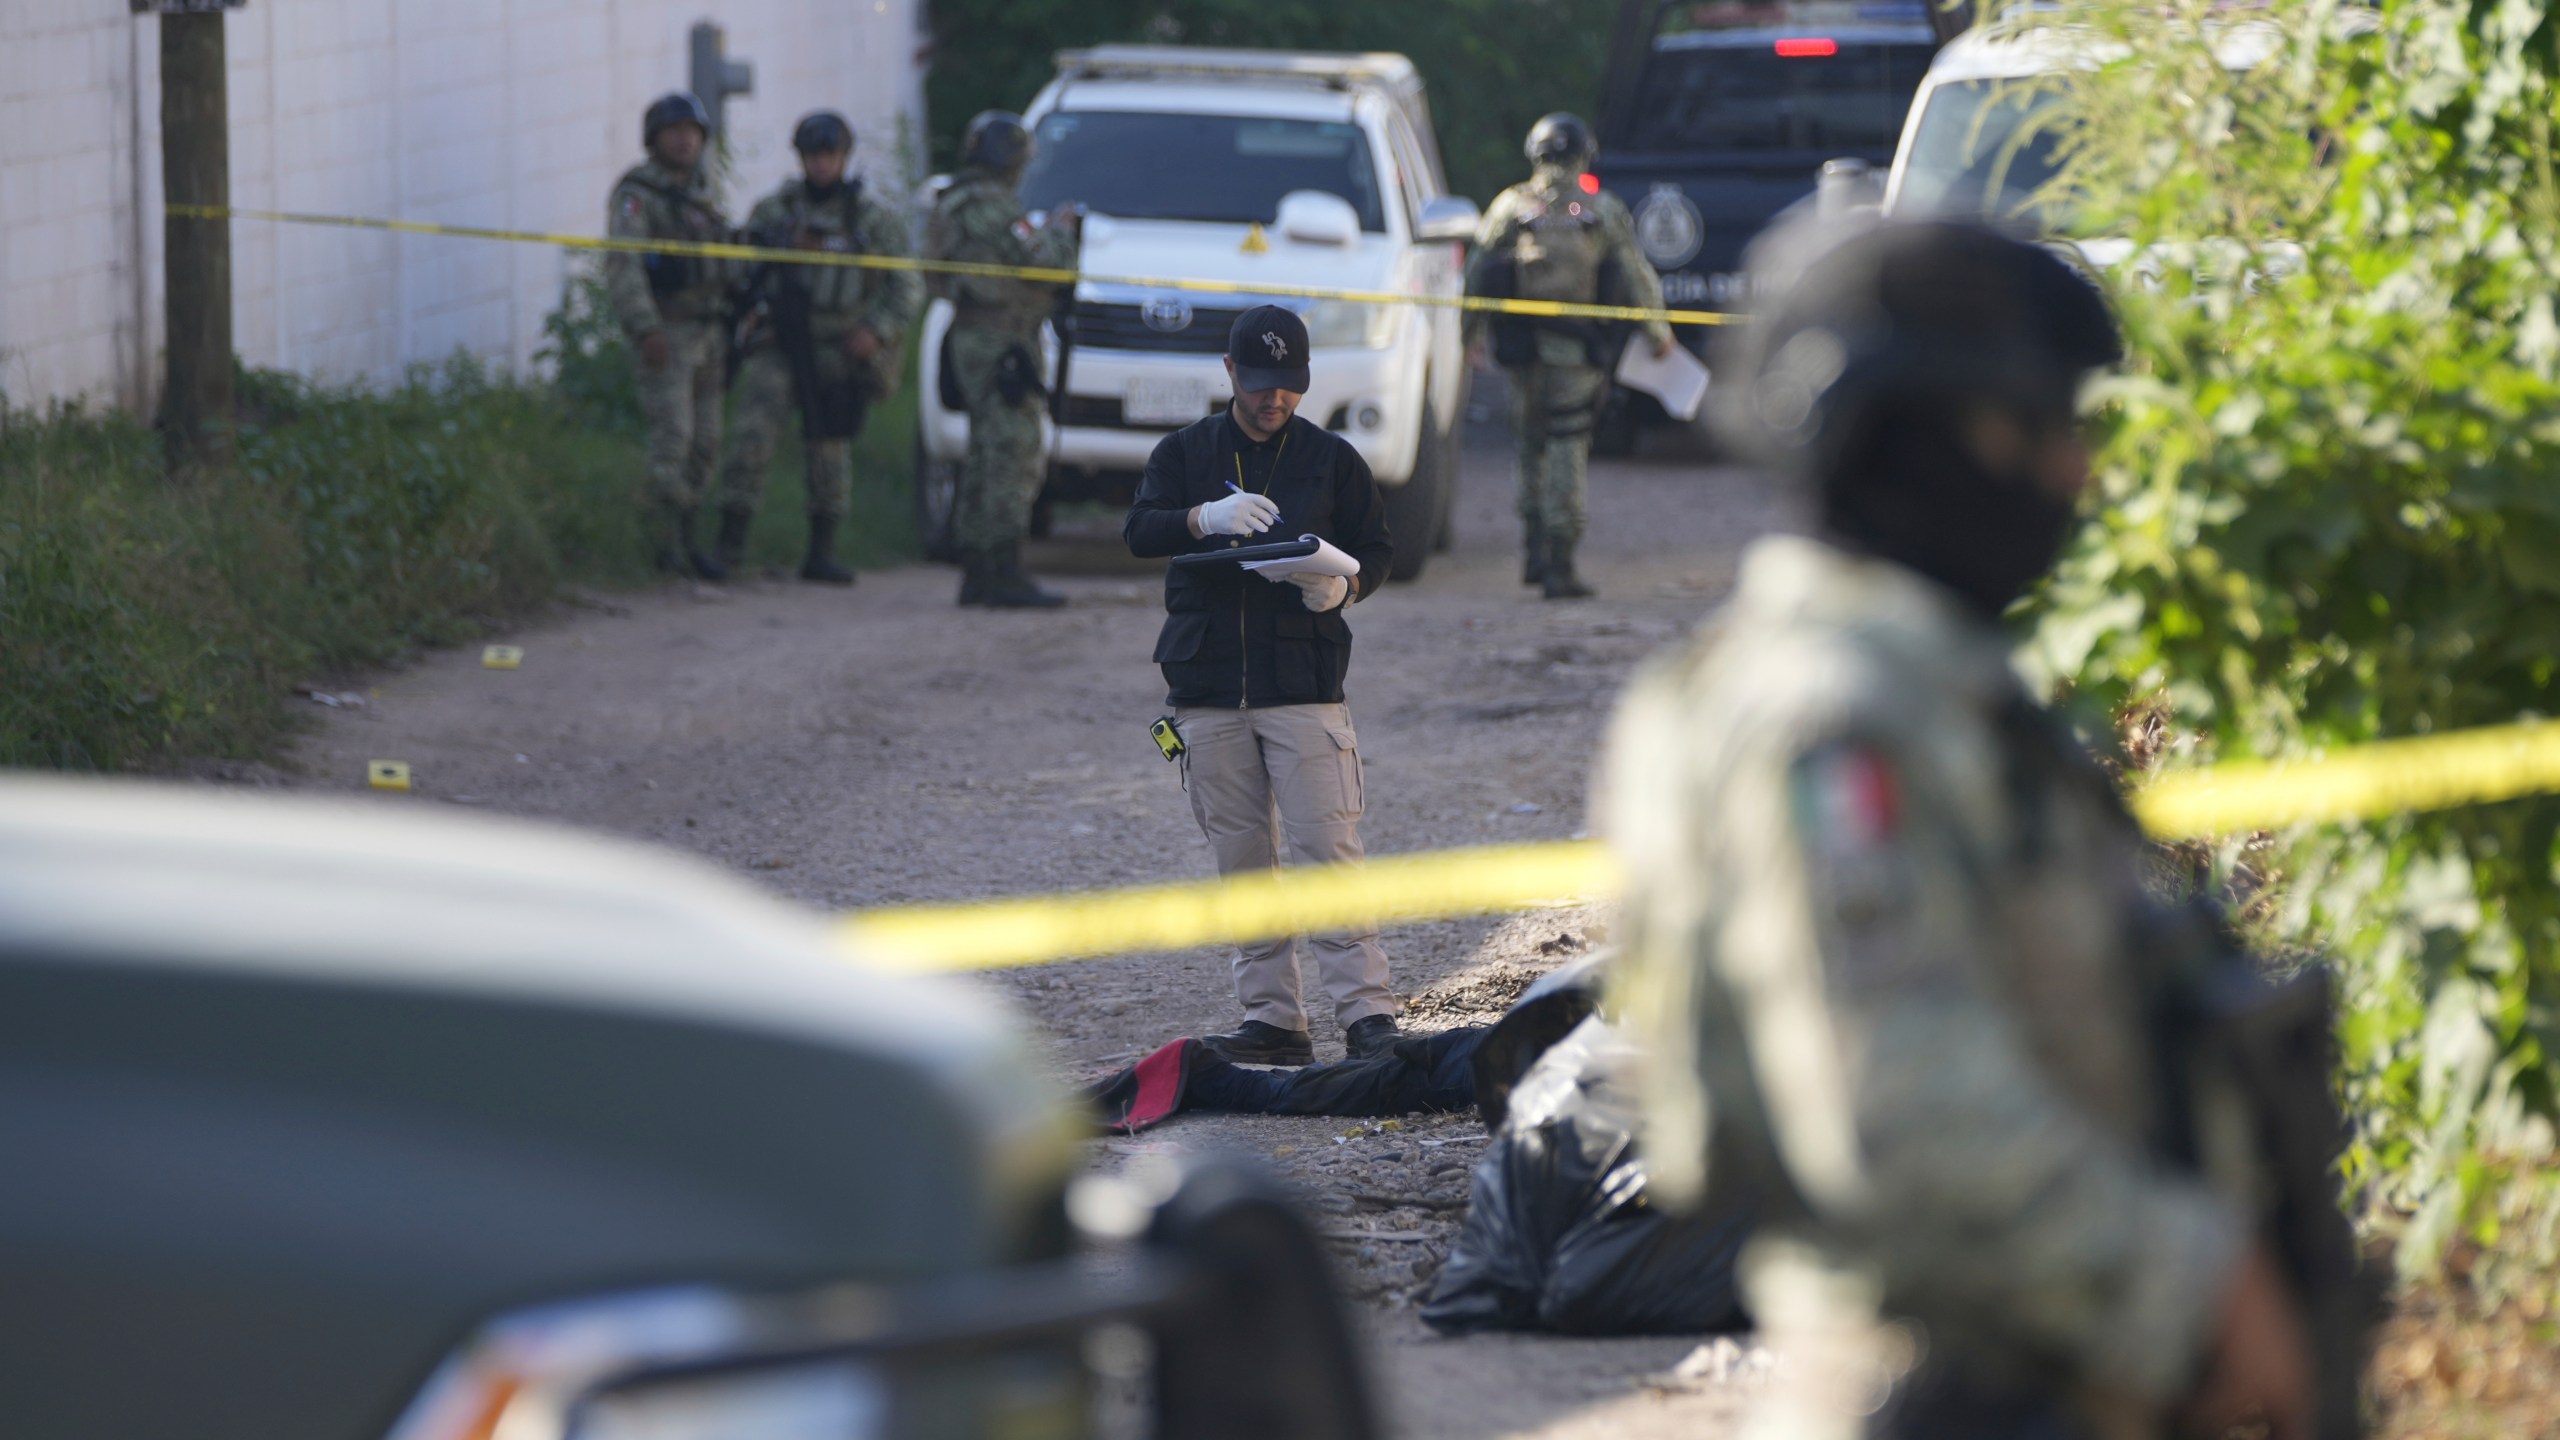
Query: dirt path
x=853, y=748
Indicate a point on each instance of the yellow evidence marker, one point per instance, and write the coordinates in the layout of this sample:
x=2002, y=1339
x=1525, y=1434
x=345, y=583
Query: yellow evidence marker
x=501, y=657
x=387, y=774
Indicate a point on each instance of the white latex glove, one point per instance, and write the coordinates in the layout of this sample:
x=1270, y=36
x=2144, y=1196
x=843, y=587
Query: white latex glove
x=1242, y=513
x=1321, y=592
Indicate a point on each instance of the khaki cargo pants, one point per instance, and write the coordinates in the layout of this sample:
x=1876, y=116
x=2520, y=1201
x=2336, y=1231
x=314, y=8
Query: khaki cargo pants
x=1256, y=775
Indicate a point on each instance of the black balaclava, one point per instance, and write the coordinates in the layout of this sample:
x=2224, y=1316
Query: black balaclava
x=1878, y=346
x=1911, y=491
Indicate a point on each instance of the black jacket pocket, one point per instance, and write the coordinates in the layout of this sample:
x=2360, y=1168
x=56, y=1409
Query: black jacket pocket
x=1297, y=665
x=1183, y=634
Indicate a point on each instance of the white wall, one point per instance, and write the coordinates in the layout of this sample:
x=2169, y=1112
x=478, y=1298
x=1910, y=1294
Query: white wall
x=516, y=114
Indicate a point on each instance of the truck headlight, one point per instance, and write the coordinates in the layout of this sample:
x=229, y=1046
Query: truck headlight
x=833, y=1363
x=1221, y=1307
x=1350, y=324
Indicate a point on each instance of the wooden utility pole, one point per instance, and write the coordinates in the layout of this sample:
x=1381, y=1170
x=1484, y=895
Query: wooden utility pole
x=195, y=159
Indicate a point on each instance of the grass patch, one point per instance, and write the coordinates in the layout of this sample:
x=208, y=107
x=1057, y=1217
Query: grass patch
x=143, y=620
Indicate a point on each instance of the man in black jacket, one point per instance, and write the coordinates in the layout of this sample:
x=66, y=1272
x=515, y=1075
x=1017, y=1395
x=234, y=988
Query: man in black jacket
x=1255, y=665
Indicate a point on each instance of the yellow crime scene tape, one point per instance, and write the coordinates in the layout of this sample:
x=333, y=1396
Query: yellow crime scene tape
x=718, y=250
x=2390, y=777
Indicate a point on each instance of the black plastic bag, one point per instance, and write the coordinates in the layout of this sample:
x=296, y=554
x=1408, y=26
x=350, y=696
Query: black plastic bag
x=1559, y=1234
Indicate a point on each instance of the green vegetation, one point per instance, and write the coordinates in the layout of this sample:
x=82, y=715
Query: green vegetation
x=1493, y=66
x=143, y=620
x=2328, y=516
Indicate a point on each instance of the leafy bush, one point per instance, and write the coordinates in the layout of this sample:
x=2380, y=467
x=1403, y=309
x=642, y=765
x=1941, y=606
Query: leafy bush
x=142, y=620
x=2328, y=514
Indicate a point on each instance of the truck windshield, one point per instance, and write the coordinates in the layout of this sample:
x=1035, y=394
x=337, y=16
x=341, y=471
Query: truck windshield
x=1773, y=91
x=1983, y=147
x=1225, y=168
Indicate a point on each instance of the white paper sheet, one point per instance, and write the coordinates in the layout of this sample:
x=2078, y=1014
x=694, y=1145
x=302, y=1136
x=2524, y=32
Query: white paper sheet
x=1326, y=561
x=1677, y=379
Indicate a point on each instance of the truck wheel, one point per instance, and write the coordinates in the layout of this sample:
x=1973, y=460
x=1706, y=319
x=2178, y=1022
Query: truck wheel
x=937, y=494
x=1447, y=533
x=1413, y=508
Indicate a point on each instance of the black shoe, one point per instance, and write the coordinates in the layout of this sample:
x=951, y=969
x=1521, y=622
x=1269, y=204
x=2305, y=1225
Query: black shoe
x=1371, y=1036
x=707, y=567
x=670, y=532
x=821, y=564
x=974, y=574
x=1559, y=581
x=1533, y=552
x=1256, y=1043
x=731, y=551
x=1008, y=588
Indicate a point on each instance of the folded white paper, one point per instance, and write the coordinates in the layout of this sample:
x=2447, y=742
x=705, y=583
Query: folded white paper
x=1676, y=379
x=1326, y=561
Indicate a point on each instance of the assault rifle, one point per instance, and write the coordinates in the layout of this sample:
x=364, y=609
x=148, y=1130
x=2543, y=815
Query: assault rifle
x=828, y=411
x=2270, y=1043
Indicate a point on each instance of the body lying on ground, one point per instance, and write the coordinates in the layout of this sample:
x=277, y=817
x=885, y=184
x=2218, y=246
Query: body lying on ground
x=1559, y=1234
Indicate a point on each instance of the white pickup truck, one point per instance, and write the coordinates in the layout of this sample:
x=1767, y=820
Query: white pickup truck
x=1248, y=168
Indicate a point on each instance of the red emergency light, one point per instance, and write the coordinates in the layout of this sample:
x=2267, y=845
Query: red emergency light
x=1808, y=47
x=1590, y=183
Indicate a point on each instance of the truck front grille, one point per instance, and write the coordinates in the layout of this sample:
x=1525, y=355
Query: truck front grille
x=1109, y=326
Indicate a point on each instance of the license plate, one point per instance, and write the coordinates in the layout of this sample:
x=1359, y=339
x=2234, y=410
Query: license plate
x=1168, y=401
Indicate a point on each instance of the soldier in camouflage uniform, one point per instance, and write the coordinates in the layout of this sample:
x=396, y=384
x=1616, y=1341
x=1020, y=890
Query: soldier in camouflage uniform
x=824, y=341
x=1885, y=926
x=672, y=307
x=994, y=353
x=1556, y=238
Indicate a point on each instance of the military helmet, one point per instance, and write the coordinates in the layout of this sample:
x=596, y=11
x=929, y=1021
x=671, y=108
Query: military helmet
x=995, y=140
x=1561, y=139
x=1853, y=314
x=820, y=131
x=676, y=107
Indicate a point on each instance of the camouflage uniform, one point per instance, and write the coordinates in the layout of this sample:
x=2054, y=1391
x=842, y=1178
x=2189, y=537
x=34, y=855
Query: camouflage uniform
x=1886, y=934
x=979, y=219
x=1563, y=236
x=842, y=298
x=680, y=400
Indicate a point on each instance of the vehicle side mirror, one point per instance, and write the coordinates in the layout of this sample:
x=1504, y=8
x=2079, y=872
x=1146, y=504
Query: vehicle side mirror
x=1316, y=217
x=1448, y=217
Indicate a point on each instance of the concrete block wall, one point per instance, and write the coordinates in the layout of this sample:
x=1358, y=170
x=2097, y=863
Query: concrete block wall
x=516, y=114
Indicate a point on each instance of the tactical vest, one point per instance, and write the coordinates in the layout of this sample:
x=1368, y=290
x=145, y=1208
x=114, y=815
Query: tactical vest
x=1559, y=251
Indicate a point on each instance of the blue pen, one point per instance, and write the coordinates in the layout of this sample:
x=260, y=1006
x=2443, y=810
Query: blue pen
x=1230, y=484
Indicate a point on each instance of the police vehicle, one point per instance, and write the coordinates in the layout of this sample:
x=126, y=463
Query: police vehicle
x=1245, y=168
x=319, y=1122
x=1718, y=114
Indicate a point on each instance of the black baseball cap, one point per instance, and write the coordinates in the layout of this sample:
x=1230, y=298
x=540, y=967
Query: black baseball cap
x=1269, y=346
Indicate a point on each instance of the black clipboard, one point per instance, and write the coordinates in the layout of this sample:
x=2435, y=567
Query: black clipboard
x=1298, y=549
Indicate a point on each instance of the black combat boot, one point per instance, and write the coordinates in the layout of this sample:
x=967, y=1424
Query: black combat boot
x=707, y=567
x=1257, y=1043
x=668, y=523
x=1533, y=550
x=1009, y=588
x=1370, y=1037
x=1560, y=581
x=974, y=572
x=732, y=549
x=821, y=563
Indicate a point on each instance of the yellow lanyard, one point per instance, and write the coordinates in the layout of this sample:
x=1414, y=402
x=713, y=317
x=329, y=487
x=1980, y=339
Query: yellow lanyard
x=1268, y=476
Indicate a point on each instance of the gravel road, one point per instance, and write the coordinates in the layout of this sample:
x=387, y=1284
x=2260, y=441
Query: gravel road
x=850, y=748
